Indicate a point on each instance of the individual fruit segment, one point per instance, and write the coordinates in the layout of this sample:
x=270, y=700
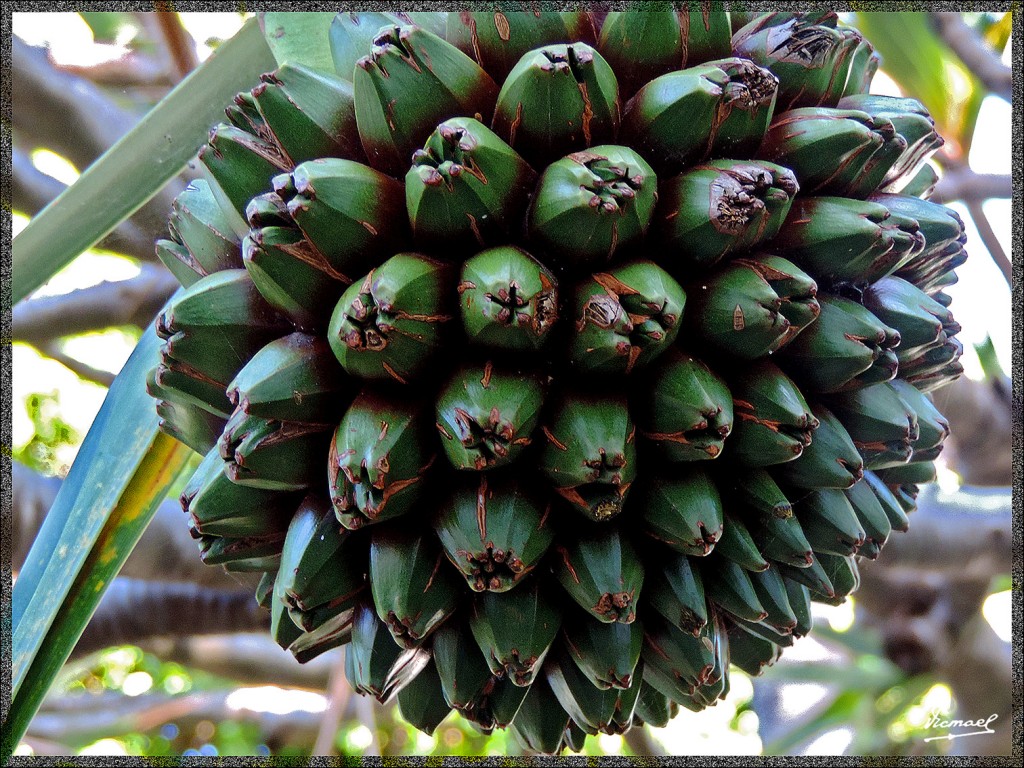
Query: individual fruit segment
x=351, y=36
x=411, y=81
x=774, y=423
x=507, y=299
x=497, y=40
x=464, y=673
x=653, y=707
x=593, y=710
x=240, y=165
x=180, y=418
x=321, y=571
x=353, y=216
x=738, y=545
x=752, y=307
x=684, y=409
x=467, y=682
x=292, y=276
x=844, y=575
x=541, y=721
x=920, y=320
x=834, y=151
x=890, y=503
x=811, y=55
x=589, y=454
x=495, y=532
x=675, y=590
x=682, y=510
x=217, y=506
x=729, y=587
x=209, y=332
x=203, y=240
x=606, y=654
x=800, y=602
x=466, y=188
x=294, y=378
x=911, y=121
x=872, y=240
x=272, y=454
x=602, y=572
x=624, y=318
x=717, y=109
x=486, y=417
x=412, y=592
x=846, y=348
x=388, y=325
x=374, y=665
x=829, y=522
x=421, y=702
x=378, y=460
x=750, y=652
x=590, y=204
x=676, y=662
x=933, y=428
x=770, y=588
x=721, y=207
x=814, y=578
x=644, y=45
x=882, y=424
x=830, y=461
x=515, y=630
x=871, y=516
x=558, y=99
x=309, y=114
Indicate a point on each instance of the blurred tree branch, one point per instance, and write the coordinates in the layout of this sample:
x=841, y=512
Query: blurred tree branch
x=925, y=597
x=84, y=371
x=990, y=239
x=338, y=693
x=162, y=581
x=980, y=415
x=32, y=190
x=60, y=111
x=959, y=169
x=71, y=116
x=133, y=610
x=134, y=301
x=972, y=50
x=964, y=184
x=133, y=70
x=178, y=43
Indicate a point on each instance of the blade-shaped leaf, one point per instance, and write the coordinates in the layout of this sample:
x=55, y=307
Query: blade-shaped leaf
x=120, y=476
x=299, y=38
x=139, y=164
x=925, y=68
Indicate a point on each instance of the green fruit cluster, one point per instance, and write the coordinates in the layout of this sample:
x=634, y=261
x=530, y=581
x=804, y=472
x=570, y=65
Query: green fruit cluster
x=554, y=362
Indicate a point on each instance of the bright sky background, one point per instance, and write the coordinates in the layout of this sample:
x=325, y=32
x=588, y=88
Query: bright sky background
x=981, y=302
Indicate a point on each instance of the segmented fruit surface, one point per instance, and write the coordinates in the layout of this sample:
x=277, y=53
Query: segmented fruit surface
x=558, y=361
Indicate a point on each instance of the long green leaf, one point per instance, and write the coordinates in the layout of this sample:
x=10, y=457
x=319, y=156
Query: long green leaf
x=120, y=476
x=925, y=68
x=134, y=169
x=300, y=38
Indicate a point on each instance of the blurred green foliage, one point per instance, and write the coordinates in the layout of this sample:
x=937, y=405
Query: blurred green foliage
x=50, y=433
